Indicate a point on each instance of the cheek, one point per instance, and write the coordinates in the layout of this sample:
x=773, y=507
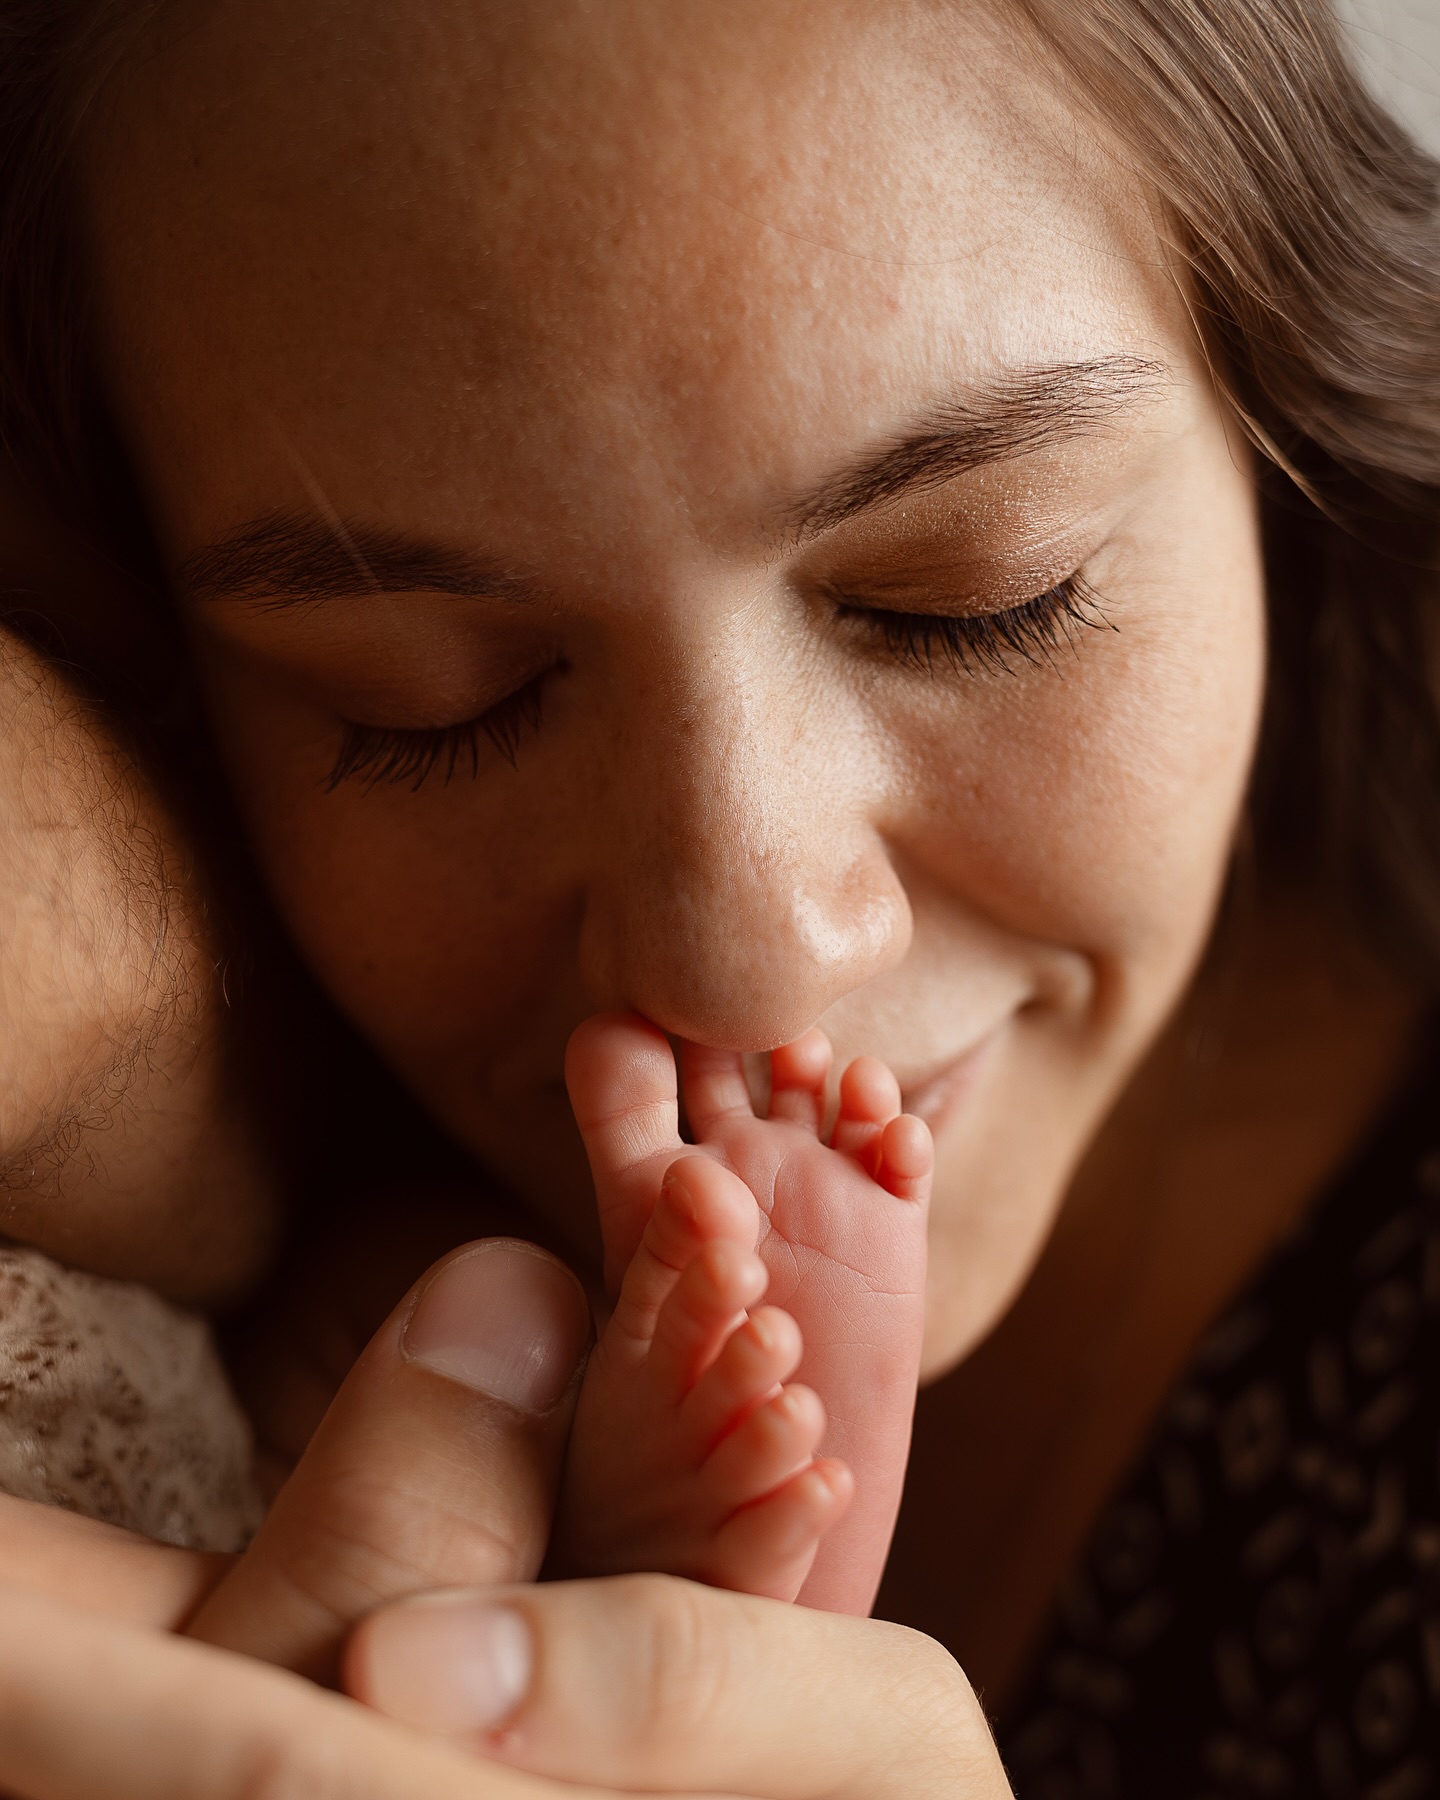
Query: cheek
x=428, y=945
x=431, y=923
x=1094, y=807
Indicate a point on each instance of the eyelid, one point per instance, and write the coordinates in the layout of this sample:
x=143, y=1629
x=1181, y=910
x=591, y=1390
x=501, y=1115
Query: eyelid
x=430, y=674
x=975, y=643
x=968, y=564
x=948, y=594
x=385, y=755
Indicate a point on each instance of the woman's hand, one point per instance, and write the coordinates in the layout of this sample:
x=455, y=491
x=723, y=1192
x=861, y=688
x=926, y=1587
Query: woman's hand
x=93, y=1709
x=645, y=1682
x=436, y=1463
x=634, y=1683
x=80, y=1562
x=569, y=1692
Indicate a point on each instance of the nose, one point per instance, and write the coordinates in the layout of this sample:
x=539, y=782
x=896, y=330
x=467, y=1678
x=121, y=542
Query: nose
x=742, y=886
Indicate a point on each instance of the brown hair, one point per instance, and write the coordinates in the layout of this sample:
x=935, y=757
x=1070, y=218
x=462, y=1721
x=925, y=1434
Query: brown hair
x=54, y=425
x=1310, y=225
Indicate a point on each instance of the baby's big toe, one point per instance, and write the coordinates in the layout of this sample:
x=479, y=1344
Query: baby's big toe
x=701, y=1202
x=620, y=1074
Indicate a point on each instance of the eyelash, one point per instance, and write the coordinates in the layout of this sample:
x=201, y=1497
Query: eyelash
x=984, y=643
x=379, y=755
x=971, y=643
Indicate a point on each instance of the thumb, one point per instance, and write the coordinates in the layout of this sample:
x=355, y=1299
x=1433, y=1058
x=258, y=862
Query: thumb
x=437, y=1461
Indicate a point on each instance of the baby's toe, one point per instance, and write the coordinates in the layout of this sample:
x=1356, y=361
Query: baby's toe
x=798, y=1073
x=760, y=1355
x=767, y=1548
x=716, y=1091
x=702, y=1310
x=906, y=1161
x=621, y=1078
x=700, y=1203
x=869, y=1099
x=777, y=1440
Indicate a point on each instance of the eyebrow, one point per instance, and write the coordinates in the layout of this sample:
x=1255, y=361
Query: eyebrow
x=1021, y=413
x=289, y=559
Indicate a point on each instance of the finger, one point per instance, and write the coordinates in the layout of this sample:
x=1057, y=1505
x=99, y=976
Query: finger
x=440, y=1454
x=95, y=1710
x=46, y=1550
x=798, y=1073
x=643, y=1682
x=715, y=1089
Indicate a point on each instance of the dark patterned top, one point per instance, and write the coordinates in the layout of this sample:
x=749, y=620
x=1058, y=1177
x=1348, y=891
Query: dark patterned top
x=1258, y=1612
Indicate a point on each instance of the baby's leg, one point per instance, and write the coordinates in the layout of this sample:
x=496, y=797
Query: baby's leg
x=690, y=1453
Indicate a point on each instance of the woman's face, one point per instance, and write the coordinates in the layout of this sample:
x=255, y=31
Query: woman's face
x=715, y=510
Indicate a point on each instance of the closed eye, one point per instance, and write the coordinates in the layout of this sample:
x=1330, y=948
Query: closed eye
x=988, y=642
x=973, y=643
x=385, y=756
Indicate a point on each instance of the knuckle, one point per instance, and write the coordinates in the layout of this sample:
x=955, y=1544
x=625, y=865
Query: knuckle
x=280, y=1767
x=929, y=1690
x=684, y=1641
x=930, y=1661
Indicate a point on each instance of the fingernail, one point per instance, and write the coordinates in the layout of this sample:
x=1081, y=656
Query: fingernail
x=449, y=1663
x=505, y=1320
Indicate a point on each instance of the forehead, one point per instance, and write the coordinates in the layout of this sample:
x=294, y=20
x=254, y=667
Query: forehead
x=703, y=238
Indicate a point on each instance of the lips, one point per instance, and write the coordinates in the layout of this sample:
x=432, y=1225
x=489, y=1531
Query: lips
x=940, y=1097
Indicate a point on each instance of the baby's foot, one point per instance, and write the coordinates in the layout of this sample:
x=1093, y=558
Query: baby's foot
x=692, y=1451
x=840, y=1233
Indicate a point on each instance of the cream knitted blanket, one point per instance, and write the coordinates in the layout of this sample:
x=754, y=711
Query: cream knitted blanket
x=113, y=1403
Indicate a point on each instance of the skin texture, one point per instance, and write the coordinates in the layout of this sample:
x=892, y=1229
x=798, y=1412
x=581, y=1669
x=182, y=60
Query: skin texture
x=599, y=300
x=692, y=1452
x=608, y=359
x=632, y=1684
x=125, y=1143
x=234, y=1729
